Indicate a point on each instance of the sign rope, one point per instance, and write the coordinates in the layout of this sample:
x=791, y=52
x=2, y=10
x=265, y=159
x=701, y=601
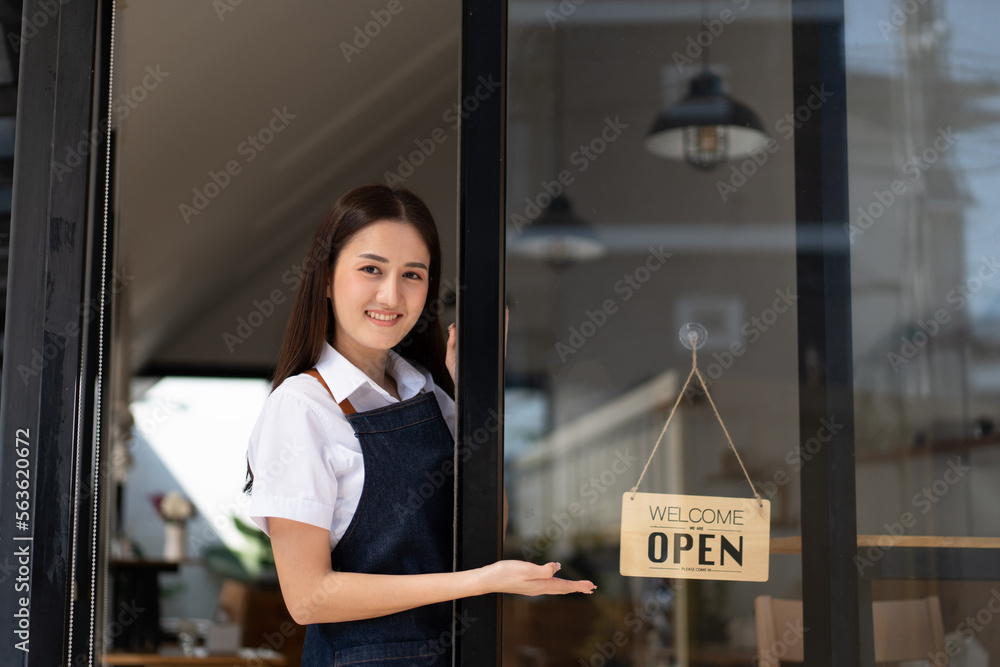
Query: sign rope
x=695, y=372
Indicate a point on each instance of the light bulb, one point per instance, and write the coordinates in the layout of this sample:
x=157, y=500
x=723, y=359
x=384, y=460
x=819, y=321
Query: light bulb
x=708, y=138
x=705, y=146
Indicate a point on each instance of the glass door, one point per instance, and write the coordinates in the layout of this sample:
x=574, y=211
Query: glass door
x=923, y=91
x=616, y=239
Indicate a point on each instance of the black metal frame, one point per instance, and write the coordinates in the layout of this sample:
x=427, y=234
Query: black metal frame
x=835, y=606
x=479, y=538
x=57, y=217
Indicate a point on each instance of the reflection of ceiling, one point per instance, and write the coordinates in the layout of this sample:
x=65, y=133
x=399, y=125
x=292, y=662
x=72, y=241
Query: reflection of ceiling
x=720, y=238
x=586, y=333
x=610, y=12
x=616, y=79
x=267, y=90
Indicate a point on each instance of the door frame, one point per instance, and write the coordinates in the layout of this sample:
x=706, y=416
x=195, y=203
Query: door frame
x=479, y=394
x=833, y=593
x=57, y=322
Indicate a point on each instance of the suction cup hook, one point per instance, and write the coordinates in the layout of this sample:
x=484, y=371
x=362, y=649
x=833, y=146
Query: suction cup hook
x=693, y=336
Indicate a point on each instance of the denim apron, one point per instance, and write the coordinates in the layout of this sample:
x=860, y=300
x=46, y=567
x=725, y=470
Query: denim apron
x=403, y=525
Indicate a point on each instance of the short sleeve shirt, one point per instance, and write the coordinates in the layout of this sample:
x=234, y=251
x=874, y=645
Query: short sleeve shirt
x=306, y=458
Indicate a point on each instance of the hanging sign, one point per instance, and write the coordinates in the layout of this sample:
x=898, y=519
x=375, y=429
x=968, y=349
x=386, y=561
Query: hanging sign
x=695, y=537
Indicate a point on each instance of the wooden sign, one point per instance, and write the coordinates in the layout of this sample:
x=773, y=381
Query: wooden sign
x=695, y=537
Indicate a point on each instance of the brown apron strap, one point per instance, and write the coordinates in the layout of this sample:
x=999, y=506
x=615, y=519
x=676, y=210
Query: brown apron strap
x=345, y=405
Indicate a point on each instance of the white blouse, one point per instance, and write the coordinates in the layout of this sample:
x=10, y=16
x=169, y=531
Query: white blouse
x=305, y=457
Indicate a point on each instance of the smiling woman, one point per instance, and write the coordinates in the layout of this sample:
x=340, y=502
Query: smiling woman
x=352, y=428
x=377, y=300
x=360, y=223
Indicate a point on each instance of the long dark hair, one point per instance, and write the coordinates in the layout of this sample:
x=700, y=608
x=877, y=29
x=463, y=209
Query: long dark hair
x=311, y=324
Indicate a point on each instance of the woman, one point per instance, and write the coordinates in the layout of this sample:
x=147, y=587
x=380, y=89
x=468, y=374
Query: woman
x=351, y=430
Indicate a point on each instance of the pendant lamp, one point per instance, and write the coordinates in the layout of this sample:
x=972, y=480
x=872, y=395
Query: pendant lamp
x=558, y=235
x=708, y=126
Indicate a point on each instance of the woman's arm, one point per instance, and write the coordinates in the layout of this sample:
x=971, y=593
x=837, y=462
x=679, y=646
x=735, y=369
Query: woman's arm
x=314, y=593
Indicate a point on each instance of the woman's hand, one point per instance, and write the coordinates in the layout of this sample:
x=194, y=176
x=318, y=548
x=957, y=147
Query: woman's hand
x=523, y=578
x=449, y=355
x=506, y=321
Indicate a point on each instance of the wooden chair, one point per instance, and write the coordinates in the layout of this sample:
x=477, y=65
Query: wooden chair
x=904, y=630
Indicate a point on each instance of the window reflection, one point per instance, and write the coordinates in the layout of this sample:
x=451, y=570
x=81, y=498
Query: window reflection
x=594, y=362
x=924, y=108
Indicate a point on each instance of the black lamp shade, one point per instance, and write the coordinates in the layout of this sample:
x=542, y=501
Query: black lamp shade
x=559, y=236
x=681, y=131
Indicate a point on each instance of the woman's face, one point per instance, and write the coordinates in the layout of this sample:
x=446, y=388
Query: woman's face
x=379, y=287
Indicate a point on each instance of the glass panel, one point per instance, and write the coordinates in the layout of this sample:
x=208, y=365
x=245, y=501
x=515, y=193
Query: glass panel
x=610, y=250
x=924, y=117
